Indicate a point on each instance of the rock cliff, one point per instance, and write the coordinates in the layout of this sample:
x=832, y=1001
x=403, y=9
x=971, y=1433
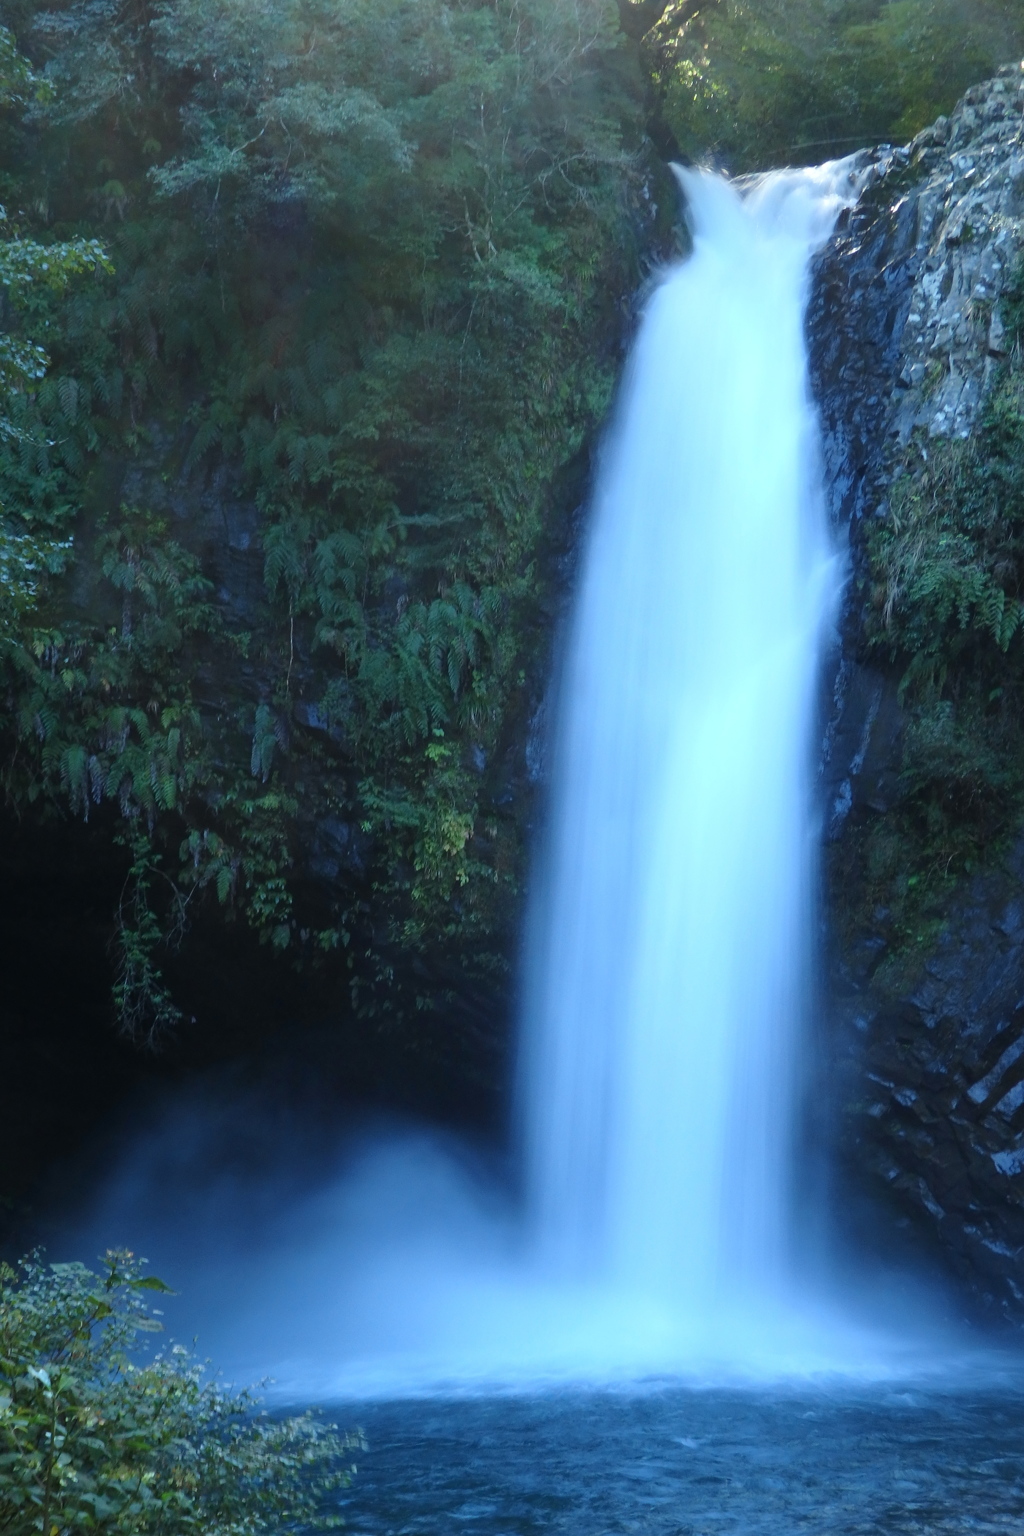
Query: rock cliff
x=926, y=993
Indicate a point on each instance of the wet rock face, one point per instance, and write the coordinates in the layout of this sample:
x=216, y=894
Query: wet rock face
x=926, y=1048
x=930, y=1086
x=969, y=236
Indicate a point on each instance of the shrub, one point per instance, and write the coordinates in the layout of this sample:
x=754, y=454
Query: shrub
x=94, y=1439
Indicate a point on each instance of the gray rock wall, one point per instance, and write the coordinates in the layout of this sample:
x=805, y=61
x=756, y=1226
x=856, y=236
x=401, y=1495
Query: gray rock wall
x=925, y=1100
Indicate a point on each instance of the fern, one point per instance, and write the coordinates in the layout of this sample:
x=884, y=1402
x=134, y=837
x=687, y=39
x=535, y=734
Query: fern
x=298, y=330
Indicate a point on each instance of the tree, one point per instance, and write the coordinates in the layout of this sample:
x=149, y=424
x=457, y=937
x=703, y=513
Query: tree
x=28, y=270
x=798, y=80
x=638, y=17
x=94, y=1440
x=369, y=268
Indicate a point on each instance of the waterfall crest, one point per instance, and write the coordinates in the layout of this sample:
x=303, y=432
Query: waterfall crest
x=668, y=958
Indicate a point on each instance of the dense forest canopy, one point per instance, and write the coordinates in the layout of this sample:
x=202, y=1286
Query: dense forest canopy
x=794, y=81
x=312, y=311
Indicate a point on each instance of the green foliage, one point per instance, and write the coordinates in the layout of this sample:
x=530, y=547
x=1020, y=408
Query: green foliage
x=949, y=550
x=20, y=86
x=93, y=1439
x=145, y=1008
x=27, y=271
x=798, y=80
x=363, y=282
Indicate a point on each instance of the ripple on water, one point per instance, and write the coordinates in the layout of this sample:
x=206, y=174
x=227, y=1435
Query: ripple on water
x=693, y=1463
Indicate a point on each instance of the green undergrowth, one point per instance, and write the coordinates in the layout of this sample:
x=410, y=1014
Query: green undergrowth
x=356, y=290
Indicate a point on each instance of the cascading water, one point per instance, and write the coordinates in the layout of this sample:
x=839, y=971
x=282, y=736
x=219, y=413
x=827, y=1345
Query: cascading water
x=669, y=951
x=669, y=954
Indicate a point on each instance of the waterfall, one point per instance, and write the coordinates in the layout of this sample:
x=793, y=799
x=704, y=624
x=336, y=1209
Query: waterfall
x=668, y=967
x=670, y=937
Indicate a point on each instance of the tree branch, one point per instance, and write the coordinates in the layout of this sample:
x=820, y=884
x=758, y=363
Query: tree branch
x=639, y=16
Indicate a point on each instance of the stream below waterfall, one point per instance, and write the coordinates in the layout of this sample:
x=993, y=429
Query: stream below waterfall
x=678, y=1463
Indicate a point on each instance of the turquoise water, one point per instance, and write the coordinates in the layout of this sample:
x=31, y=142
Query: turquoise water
x=693, y=1463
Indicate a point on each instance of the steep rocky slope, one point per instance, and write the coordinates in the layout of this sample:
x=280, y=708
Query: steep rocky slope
x=926, y=973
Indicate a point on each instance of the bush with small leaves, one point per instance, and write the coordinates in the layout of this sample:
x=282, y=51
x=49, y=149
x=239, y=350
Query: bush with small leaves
x=95, y=1439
